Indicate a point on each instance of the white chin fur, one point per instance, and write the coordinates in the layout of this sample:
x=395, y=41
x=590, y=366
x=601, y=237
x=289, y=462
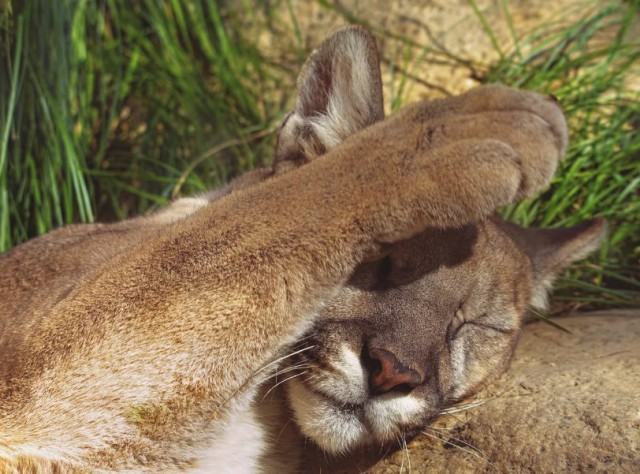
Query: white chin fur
x=386, y=415
x=334, y=430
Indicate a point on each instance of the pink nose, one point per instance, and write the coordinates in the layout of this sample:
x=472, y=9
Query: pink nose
x=388, y=373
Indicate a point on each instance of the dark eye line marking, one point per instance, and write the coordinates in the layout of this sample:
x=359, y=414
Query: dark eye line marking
x=490, y=326
x=383, y=272
x=453, y=329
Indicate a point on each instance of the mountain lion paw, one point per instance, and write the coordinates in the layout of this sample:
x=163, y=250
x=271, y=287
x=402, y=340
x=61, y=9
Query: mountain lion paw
x=531, y=124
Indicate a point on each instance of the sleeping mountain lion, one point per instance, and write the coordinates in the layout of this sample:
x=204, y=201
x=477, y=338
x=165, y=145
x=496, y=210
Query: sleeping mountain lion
x=358, y=287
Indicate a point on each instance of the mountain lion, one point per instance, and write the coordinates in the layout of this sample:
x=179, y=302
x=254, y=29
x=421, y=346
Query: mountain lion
x=358, y=286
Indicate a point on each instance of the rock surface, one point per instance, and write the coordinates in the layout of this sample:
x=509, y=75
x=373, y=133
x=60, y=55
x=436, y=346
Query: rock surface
x=423, y=43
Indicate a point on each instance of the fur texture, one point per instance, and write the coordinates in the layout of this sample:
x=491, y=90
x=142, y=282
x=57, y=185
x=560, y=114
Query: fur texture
x=362, y=275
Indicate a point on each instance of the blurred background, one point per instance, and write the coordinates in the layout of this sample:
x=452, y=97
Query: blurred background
x=111, y=108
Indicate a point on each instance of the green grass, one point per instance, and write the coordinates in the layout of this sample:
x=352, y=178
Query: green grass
x=109, y=108
x=588, y=65
x=109, y=101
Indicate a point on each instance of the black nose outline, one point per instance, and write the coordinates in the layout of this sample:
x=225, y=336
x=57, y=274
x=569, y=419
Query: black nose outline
x=387, y=373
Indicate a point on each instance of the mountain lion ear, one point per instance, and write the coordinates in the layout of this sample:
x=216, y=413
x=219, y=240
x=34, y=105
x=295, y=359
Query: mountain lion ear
x=552, y=250
x=339, y=93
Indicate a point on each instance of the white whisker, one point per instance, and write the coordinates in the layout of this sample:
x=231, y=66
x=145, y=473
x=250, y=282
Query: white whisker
x=405, y=452
x=465, y=407
x=281, y=382
x=257, y=372
x=280, y=359
x=275, y=377
x=474, y=451
x=286, y=370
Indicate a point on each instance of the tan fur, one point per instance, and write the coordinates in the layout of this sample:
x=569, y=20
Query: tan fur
x=136, y=345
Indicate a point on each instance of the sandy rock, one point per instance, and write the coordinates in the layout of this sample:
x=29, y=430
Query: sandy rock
x=418, y=39
x=436, y=30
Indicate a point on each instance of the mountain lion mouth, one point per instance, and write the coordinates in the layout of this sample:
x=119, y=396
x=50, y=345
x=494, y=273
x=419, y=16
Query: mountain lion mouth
x=338, y=427
x=356, y=409
x=333, y=426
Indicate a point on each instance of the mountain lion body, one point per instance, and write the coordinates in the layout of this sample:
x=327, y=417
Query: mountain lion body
x=359, y=286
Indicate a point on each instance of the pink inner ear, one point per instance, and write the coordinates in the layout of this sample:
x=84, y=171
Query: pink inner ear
x=314, y=85
x=339, y=94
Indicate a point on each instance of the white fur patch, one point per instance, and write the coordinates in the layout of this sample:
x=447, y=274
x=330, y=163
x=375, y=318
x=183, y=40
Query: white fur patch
x=458, y=365
x=387, y=414
x=335, y=430
x=351, y=367
x=540, y=294
x=349, y=103
x=351, y=385
x=237, y=447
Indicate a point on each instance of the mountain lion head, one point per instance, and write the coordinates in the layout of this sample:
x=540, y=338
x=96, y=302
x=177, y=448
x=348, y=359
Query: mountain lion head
x=435, y=317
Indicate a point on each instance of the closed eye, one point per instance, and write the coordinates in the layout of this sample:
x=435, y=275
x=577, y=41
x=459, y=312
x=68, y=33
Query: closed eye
x=504, y=321
x=482, y=322
x=459, y=321
x=491, y=327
